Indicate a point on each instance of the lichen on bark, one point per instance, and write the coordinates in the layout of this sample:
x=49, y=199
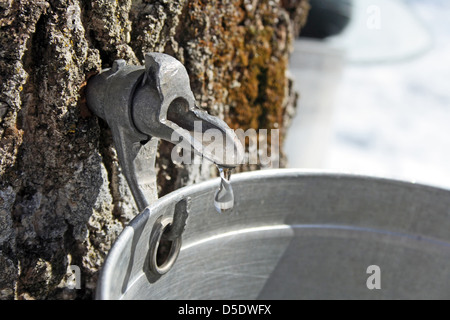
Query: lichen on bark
x=63, y=198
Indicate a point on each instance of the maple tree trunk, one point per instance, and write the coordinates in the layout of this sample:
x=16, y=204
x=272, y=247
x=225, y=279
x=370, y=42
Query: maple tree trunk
x=63, y=198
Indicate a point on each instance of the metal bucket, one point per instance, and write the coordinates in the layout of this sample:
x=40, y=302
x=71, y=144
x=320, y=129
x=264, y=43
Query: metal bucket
x=294, y=235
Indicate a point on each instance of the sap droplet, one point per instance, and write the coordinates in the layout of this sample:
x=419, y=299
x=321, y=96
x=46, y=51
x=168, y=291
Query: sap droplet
x=224, y=197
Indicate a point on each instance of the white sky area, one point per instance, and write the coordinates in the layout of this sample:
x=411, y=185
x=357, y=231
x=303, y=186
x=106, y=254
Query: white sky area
x=390, y=104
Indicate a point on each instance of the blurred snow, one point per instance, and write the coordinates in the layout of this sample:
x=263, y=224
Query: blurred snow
x=392, y=119
x=382, y=30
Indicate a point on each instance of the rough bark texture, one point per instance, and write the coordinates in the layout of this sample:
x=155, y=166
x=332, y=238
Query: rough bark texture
x=63, y=199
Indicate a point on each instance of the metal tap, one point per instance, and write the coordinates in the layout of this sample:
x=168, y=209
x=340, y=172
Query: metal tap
x=144, y=104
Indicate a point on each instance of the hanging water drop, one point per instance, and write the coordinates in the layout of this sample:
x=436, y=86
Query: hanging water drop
x=224, y=197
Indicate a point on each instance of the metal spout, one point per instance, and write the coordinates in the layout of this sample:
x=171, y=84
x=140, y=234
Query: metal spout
x=144, y=104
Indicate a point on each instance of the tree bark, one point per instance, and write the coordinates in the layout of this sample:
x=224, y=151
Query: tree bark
x=63, y=199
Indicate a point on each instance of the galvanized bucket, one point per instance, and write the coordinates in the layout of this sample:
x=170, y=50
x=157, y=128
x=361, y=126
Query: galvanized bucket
x=292, y=235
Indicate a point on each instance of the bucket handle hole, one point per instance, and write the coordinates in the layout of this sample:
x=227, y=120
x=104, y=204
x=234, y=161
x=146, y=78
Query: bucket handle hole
x=163, y=251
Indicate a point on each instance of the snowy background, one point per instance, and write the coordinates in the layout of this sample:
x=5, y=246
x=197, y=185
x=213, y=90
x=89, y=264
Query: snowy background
x=386, y=107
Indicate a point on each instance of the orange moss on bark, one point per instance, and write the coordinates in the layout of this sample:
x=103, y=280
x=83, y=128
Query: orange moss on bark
x=248, y=50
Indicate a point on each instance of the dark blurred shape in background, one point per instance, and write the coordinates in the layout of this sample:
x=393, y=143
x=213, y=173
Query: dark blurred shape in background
x=327, y=18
